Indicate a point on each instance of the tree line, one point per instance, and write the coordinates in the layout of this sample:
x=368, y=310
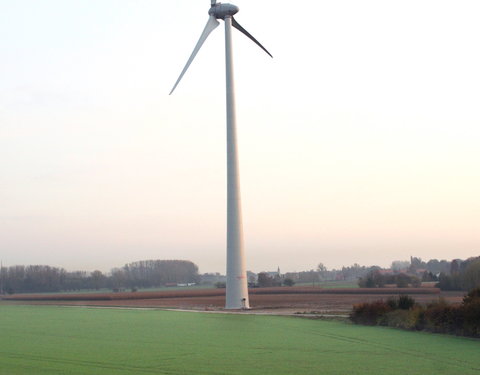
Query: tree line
x=450, y=275
x=375, y=279
x=152, y=273
x=140, y=274
x=357, y=271
x=455, y=275
x=463, y=275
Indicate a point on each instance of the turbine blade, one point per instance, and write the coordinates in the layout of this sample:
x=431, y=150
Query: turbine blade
x=236, y=25
x=211, y=25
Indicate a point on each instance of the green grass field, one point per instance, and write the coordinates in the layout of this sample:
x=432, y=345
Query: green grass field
x=62, y=340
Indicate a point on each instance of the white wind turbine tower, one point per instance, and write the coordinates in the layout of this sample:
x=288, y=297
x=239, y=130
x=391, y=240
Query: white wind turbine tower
x=237, y=287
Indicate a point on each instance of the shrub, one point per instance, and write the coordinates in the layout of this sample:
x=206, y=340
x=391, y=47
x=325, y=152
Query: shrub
x=405, y=313
x=439, y=316
x=471, y=313
x=471, y=296
x=393, y=303
x=402, y=280
x=405, y=319
x=369, y=313
x=220, y=285
x=442, y=317
x=415, y=281
x=393, y=319
x=288, y=282
x=417, y=314
x=405, y=302
x=372, y=279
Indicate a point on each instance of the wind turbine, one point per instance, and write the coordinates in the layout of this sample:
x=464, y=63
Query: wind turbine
x=237, y=287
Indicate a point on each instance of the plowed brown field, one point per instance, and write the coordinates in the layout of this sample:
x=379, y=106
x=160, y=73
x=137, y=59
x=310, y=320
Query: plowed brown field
x=296, y=299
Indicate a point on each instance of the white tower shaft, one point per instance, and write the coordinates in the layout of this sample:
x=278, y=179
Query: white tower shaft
x=237, y=287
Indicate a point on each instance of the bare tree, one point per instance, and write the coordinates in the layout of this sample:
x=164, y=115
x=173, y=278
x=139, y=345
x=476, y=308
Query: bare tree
x=322, y=271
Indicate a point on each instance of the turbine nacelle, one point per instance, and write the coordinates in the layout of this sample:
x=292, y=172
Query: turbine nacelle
x=221, y=11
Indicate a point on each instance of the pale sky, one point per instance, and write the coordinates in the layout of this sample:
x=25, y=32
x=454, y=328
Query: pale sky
x=359, y=141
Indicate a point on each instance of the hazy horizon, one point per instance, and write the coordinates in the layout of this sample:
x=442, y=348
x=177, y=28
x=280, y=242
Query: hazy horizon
x=222, y=272
x=358, y=142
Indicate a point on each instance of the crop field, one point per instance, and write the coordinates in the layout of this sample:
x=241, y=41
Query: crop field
x=277, y=300
x=214, y=292
x=71, y=340
x=331, y=284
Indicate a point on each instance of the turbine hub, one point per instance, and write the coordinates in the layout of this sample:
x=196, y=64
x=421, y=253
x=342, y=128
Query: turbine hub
x=222, y=11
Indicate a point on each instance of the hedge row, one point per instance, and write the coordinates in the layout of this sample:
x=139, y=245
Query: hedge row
x=403, y=312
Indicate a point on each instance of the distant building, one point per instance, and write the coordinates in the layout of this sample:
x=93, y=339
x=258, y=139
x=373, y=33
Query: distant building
x=274, y=273
x=212, y=278
x=388, y=272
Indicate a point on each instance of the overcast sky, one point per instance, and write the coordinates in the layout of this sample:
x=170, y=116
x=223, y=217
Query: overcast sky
x=359, y=141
